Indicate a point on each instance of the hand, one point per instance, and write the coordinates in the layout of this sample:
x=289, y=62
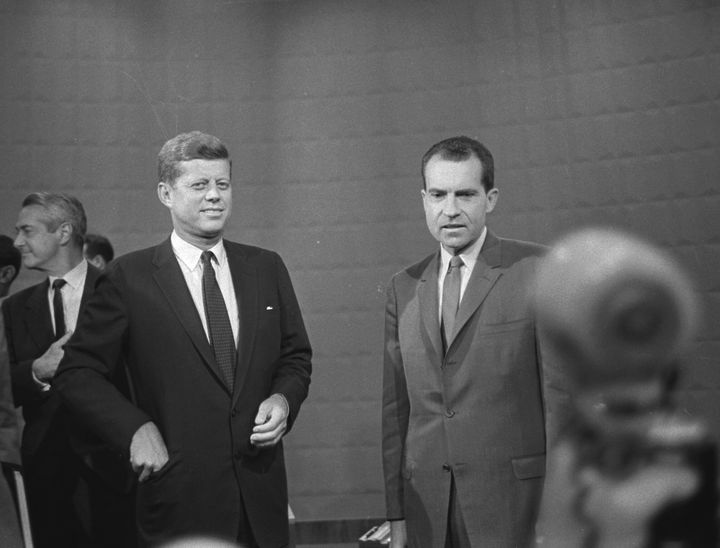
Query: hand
x=619, y=510
x=270, y=421
x=622, y=509
x=398, y=534
x=45, y=366
x=148, y=453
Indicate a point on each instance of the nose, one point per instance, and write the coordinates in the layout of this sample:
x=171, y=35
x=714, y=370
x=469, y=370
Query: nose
x=212, y=194
x=19, y=240
x=450, y=207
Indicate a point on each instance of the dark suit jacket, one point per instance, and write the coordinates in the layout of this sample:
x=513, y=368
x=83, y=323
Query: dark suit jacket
x=48, y=427
x=9, y=450
x=9, y=431
x=142, y=310
x=479, y=413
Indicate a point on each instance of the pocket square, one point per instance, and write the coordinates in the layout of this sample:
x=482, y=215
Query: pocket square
x=269, y=308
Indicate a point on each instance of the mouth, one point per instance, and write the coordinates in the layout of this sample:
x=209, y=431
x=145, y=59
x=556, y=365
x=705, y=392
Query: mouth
x=211, y=210
x=452, y=226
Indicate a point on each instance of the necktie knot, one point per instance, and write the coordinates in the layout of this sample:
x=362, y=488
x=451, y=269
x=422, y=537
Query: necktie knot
x=455, y=262
x=207, y=257
x=58, y=284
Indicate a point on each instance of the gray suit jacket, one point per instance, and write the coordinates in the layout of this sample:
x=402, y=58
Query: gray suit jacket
x=480, y=412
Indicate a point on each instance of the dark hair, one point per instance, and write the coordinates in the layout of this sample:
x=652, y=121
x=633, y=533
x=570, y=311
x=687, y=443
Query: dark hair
x=188, y=146
x=9, y=254
x=95, y=244
x=60, y=208
x=461, y=148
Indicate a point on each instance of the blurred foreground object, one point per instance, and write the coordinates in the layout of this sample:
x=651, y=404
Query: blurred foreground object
x=631, y=471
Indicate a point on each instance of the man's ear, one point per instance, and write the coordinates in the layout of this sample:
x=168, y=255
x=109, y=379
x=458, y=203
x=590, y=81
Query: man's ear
x=66, y=232
x=164, y=191
x=7, y=273
x=492, y=199
x=97, y=261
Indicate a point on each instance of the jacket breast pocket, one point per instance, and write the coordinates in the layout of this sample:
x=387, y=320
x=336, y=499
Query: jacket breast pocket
x=269, y=316
x=490, y=329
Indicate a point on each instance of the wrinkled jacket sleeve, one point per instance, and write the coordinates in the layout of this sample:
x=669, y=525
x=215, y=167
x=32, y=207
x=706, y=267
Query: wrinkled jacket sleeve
x=84, y=376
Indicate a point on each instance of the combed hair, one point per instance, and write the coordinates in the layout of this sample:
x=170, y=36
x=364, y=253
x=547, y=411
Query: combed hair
x=194, y=145
x=458, y=149
x=60, y=208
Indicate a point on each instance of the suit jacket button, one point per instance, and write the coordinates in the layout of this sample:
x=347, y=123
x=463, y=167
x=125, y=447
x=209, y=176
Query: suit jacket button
x=233, y=413
x=449, y=413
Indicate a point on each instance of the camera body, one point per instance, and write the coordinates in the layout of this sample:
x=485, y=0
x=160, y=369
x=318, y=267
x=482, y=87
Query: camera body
x=619, y=314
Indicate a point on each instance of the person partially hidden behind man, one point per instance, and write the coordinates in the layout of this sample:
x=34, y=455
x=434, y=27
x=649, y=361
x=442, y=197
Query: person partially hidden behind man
x=219, y=360
x=468, y=392
x=98, y=250
x=10, y=536
x=76, y=490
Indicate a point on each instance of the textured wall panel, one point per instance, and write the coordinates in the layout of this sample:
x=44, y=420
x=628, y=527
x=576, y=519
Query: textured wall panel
x=597, y=112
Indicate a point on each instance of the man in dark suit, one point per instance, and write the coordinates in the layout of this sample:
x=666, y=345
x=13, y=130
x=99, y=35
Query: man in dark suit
x=10, y=535
x=218, y=357
x=469, y=400
x=69, y=502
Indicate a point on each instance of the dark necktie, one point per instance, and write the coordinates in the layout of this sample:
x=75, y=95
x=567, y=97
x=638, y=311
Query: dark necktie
x=58, y=312
x=218, y=322
x=450, y=298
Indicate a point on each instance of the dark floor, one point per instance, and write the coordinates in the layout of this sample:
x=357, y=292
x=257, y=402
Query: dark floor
x=344, y=545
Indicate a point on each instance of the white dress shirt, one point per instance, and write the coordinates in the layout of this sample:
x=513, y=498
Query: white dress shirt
x=469, y=257
x=188, y=257
x=72, y=293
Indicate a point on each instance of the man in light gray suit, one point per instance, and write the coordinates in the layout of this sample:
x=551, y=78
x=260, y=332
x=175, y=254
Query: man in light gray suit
x=470, y=401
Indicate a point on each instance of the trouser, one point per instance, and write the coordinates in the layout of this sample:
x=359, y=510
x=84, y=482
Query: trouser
x=456, y=535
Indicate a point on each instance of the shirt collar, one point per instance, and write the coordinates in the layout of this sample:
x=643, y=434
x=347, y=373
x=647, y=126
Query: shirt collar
x=75, y=278
x=189, y=255
x=469, y=255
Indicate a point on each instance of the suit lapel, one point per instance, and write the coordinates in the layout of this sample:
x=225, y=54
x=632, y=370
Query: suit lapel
x=246, y=284
x=429, y=305
x=484, y=276
x=38, y=322
x=170, y=280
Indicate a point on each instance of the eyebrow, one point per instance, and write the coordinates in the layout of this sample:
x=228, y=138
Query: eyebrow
x=469, y=190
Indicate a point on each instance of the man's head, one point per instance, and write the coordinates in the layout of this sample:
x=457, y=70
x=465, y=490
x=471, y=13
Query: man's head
x=458, y=191
x=9, y=263
x=98, y=250
x=50, y=231
x=194, y=171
